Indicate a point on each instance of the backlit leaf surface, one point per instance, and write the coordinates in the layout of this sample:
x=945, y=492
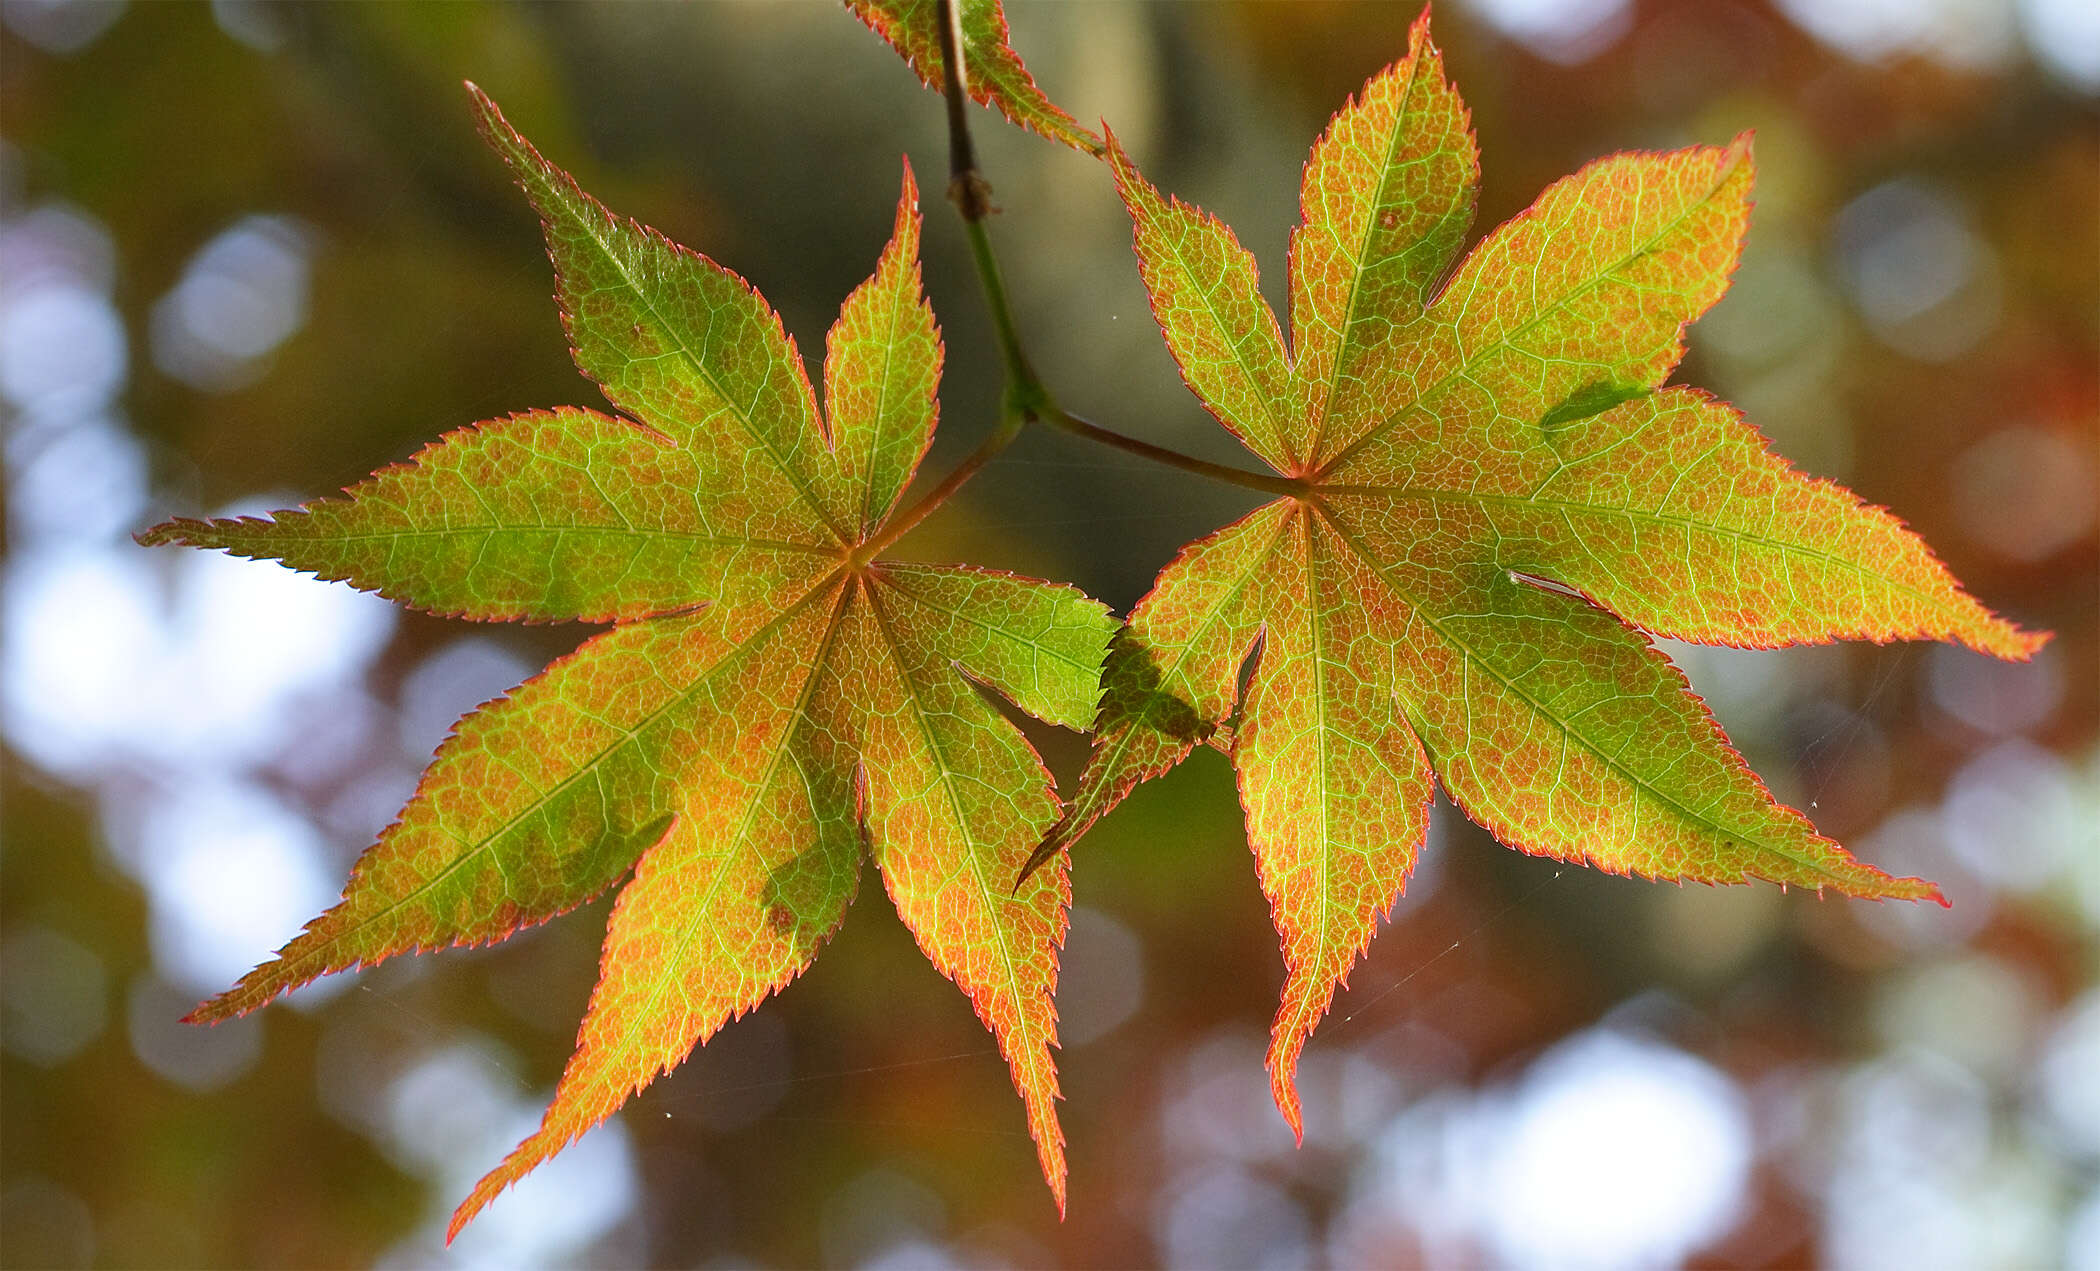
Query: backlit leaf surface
x=995, y=76
x=1499, y=504
x=773, y=700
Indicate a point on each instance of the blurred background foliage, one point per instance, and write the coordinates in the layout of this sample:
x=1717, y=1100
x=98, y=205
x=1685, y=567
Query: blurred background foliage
x=253, y=250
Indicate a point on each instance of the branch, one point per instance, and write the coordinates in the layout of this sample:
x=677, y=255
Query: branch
x=1025, y=397
x=967, y=188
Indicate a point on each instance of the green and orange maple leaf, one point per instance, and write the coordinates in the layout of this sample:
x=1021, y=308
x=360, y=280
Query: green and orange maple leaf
x=772, y=700
x=1494, y=505
x=1490, y=505
x=994, y=73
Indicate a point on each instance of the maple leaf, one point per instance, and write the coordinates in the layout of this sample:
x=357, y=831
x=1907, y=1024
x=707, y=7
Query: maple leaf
x=773, y=700
x=1491, y=500
x=996, y=76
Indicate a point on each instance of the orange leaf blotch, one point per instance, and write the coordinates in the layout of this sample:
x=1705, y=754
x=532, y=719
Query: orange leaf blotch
x=696, y=940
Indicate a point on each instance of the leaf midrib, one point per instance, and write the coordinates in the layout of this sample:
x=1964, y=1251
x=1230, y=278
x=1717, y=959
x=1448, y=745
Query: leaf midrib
x=588, y=767
x=742, y=415
x=1569, y=506
x=267, y=533
x=1277, y=436
x=986, y=893
x=1356, y=279
x=1640, y=782
x=1084, y=668
x=1506, y=339
x=700, y=912
x=1120, y=740
x=897, y=303
x=1316, y=629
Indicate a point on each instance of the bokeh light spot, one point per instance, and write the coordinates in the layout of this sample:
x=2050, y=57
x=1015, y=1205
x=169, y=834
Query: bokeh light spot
x=2026, y=493
x=1564, y=31
x=1618, y=1152
x=53, y=994
x=243, y=294
x=1102, y=979
x=1927, y=285
x=196, y=1057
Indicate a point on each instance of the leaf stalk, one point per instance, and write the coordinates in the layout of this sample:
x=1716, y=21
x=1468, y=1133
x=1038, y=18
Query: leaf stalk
x=1065, y=421
x=1002, y=436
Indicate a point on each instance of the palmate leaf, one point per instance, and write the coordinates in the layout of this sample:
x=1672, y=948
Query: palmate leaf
x=995, y=75
x=1496, y=502
x=773, y=699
